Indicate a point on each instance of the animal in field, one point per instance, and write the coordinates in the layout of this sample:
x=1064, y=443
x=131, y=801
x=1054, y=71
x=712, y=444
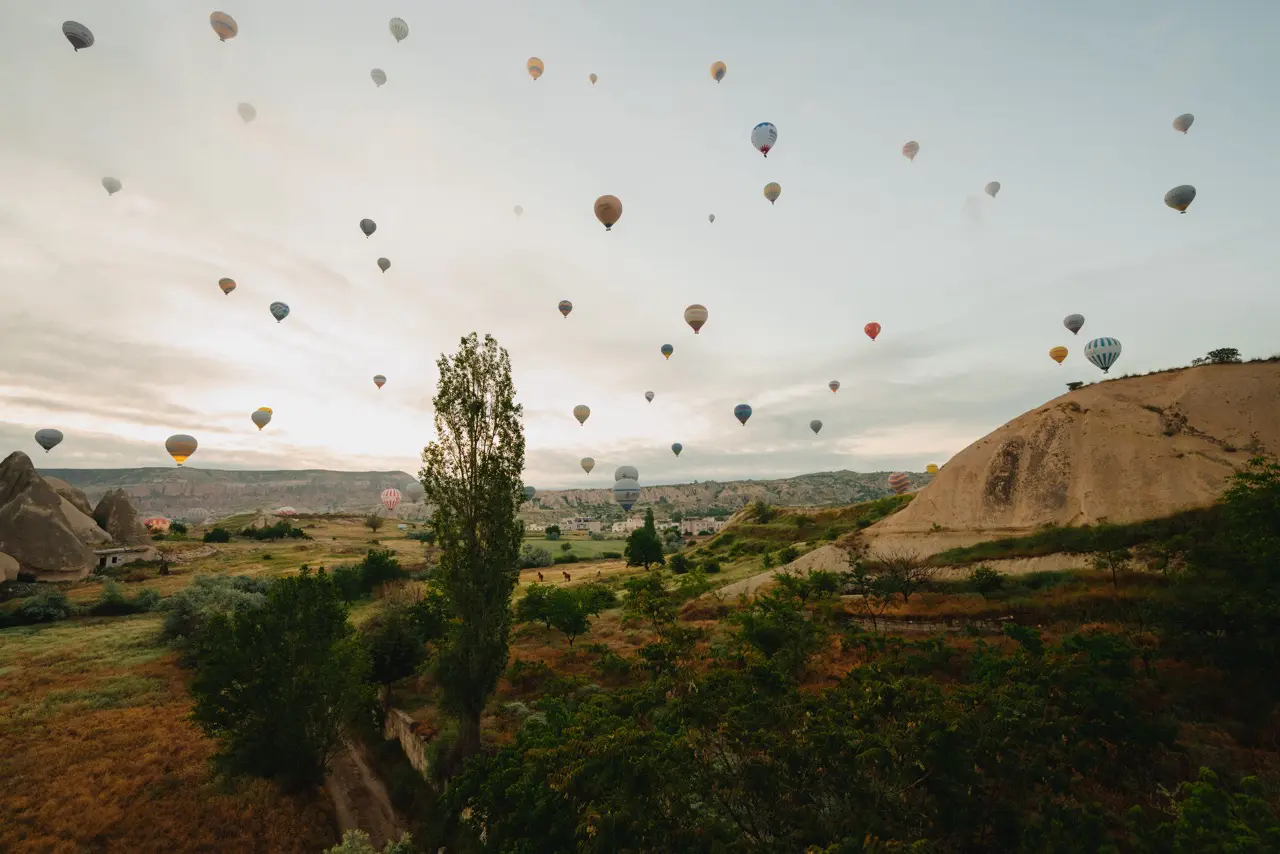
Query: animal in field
x=566, y=576
x=540, y=576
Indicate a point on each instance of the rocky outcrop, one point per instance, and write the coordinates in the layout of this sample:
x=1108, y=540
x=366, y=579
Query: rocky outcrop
x=115, y=515
x=8, y=568
x=73, y=494
x=34, y=531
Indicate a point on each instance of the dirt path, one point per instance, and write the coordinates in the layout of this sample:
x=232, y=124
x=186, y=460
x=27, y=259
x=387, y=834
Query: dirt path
x=360, y=799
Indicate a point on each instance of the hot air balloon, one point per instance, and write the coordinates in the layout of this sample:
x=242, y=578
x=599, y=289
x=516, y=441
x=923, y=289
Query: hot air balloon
x=180, y=446
x=910, y=150
x=764, y=136
x=932, y=468
x=196, y=516
x=379, y=380
x=1058, y=354
x=626, y=492
x=872, y=329
x=227, y=285
x=48, y=438
x=286, y=511
x=718, y=70
x=535, y=67
x=518, y=209
x=1181, y=123
x=378, y=76
x=587, y=464
x=1073, y=322
x=992, y=188
x=247, y=112
x=676, y=448
x=279, y=311
x=1180, y=197
x=78, y=34
x=224, y=25
x=261, y=417
x=608, y=211
x=899, y=482
x=834, y=385
x=593, y=78
x=368, y=226
x=815, y=425
x=696, y=316
x=711, y=218
x=648, y=395
x=582, y=413
x=565, y=307
x=1103, y=352
x=742, y=412
x=772, y=190
x=111, y=185
x=626, y=471
x=529, y=492
x=413, y=491
x=391, y=498
x=399, y=29
x=667, y=350
x=384, y=264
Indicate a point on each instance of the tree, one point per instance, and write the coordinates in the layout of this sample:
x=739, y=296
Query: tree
x=1115, y=562
x=873, y=593
x=571, y=608
x=1074, y=386
x=552, y=532
x=566, y=547
x=1221, y=356
x=644, y=548
x=472, y=476
x=358, y=842
x=177, y=528
x=277, y=686
x=373, y=522
x=902, y=572
x=535, y=607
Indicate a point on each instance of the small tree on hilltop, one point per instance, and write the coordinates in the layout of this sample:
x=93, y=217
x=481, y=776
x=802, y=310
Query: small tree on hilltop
x=1221, y=356
x=1074, y=386
x=644, y=548
x=373, y=522
x=472, y=476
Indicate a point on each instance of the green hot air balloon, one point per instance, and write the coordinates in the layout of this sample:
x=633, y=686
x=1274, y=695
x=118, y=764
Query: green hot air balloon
x=587, y=464
x=677, y=448
x=667, y=350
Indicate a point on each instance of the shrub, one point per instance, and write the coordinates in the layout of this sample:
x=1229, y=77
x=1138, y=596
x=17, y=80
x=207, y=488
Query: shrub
x=552, y=532
x=566, y=547
x=984, y=579
x=216, y=535
x=611, y=555
x=349, y=579
x=533, y=557
x=428, y=537
x=358, y=842
x=373, y=522
x=47, y=606
x=566, y=558
x=679, y=564
x=279, y=531
x=788, y=554
x=189, y=610
x=177, y=528
x=711, y=566
x=113, y=603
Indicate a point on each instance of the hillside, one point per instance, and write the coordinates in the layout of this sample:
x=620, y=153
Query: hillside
x=170, y=491
x=1114, y=452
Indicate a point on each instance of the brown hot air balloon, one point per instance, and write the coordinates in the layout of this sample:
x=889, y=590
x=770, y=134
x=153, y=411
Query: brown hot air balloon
x=608, y=211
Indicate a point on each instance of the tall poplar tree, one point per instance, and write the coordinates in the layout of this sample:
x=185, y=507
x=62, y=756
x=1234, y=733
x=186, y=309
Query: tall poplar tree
x=471, y=473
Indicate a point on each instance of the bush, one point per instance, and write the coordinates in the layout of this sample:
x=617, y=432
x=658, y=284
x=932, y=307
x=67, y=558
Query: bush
x=566, y=547
x=279, y=531
x=355, y=581
x=679, y=564
x=358, y=842
x=216, y=535
x=552, y=532
x=566, y=558
x=47, y=606
x=189, y=610
x=711, y=566
x=984, y=580
x=113, y=603
x=349, y=579
x=787, y=554
x=533, y=557
x=177, y=528
x=611, y=555
x=428, y=537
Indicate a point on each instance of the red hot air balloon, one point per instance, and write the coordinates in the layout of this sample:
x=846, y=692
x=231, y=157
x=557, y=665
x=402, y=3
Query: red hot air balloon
x=391, y=498
x=899, y=482
x=872, y=329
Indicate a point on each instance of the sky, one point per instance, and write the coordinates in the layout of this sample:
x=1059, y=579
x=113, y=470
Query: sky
x=113, y=328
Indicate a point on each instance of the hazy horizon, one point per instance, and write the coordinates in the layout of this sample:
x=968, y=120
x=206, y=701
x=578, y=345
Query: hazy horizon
x=117, y=334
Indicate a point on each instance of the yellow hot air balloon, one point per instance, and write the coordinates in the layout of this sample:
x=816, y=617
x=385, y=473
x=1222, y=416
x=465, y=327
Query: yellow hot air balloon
x=180, y=446
x=535, y=67
x=718, y=71
x=772, y=191
x=608, y=211
x=932, y=468
x=593, y=78
x=1058, y=354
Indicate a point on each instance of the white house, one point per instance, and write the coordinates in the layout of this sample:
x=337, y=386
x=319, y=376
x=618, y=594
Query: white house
x=119, y=556
x=580, y=523
x=626, y=526
x=690, y=527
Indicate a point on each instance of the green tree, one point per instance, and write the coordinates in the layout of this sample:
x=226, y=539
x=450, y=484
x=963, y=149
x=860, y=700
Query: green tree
x=566, y=547
x=278, y=686
x=472, y=476
x=644, y=547
x=571, y=608
x=535, y=607
x=1221, y=356
x=1115, y=562
x=552, y=532
x=358, y=842
x=373, y=522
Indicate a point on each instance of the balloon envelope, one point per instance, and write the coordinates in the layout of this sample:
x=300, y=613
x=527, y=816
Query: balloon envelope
x=48, y=438
x=711, y=217
x=1181, y=123
x=111, y=185
x=764, y=136
x=379, y=380
x=626, y=492
x=815, y=425
x=78, y=34
x=648, y=395
x=772, y=191
x=718, y=71
x=378, y=76
x=608, y=210
x=247, y=112
x=932, y=468
x=899, y=482
x=834, y=385
x=676, y=448
x=910, y=150
x=227, y=285
x=535, y=67
x=742, y=412
x=593, y=78
x=1103, y=352
x=1058, y=354
x=261, y=417
x=279, y=311
x=667, y=350
x=565, y=307
x=518, y=209
x=626, y=472
x=582, y=413
x=696, y=316
x=368, y=226
x=180, y=446
x=384, y=264
x=992, y=188
x=587, y=464
x=1074, y=322
x=529, y=492
x=399, y=29
x=224, y=25
x=872, y=329
x=1180, y=197
x=391, y=498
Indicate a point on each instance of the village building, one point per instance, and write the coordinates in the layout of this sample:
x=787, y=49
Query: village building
x=120, y=555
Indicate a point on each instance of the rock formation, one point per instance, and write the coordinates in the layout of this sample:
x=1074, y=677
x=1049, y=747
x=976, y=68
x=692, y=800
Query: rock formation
x=33, y=529
x=115, y=515
x=73, y=494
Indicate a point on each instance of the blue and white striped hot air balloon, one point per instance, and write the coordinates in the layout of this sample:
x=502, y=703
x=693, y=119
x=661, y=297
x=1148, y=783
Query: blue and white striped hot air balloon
x=626, y=492
x=1103, y=352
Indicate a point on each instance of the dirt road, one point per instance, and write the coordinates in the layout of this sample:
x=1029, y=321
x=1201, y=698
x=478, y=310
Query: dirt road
x=360, y=799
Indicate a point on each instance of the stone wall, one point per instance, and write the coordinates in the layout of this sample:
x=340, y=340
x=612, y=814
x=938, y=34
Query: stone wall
x=399, y=726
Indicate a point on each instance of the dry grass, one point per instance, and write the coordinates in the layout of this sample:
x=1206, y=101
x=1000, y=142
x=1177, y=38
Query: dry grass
x=97, y=753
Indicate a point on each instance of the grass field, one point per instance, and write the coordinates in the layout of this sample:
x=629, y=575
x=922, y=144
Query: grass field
x=97, y=753
x=582, y=547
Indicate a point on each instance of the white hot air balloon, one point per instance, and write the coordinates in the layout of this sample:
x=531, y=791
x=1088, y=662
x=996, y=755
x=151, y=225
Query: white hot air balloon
x=626, y=471
x=111, y=185
x=399, y=29
x=764, y=136
x=626, y=492
x=378, y=76
x=247, y=112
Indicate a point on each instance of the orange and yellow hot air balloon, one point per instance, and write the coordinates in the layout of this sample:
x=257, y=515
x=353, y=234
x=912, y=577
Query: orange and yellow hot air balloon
x=1058, y=354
